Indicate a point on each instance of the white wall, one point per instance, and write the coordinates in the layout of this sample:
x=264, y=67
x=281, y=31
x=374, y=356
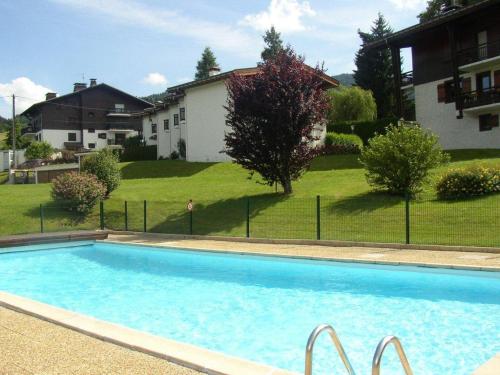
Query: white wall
x=441, y=119
x=93, y=138
x=57, y=138
x=206, y=122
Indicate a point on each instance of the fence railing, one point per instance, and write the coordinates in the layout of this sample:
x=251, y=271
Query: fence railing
x=367, y=218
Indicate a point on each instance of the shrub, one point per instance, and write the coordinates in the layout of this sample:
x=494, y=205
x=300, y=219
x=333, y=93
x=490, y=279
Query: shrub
x=342, y=144
x=174, y=155
x=351, y=104
x=38, y=150
x=400, y=160
x=468, y=182
x=134, y=141
x=181, y=146
x=138, y=152
x=104, y=165
x=364, y=129
x=81, y=191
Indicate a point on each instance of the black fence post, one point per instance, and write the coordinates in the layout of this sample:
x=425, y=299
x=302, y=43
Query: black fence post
x=248, y=218
x=191, y=221
x=41, y=218
x=318, y=217
x=145, y=217
x=101, y=214
x=407, y=217
x=126, y=216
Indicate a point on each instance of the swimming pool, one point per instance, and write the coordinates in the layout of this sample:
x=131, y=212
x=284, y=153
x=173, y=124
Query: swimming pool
x=264, y=308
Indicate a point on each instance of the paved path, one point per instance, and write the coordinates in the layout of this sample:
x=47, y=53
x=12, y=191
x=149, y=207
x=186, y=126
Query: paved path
x=32, y=346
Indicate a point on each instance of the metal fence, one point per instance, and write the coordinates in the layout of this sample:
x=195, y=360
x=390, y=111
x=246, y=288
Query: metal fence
x=368, y=218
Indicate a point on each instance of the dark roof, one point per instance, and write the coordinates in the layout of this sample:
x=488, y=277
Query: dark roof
x=242, y=71
x=100, y=85
x=403, y=37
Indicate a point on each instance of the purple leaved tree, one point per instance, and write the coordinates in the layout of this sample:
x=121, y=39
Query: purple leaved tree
x=272, y=115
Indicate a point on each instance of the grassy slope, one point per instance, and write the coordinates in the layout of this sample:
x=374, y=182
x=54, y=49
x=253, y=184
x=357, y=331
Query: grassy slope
x=349, y=210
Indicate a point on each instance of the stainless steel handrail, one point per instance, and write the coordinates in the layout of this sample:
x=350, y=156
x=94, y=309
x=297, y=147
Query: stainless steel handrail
x=377, y=357
x=333, y=335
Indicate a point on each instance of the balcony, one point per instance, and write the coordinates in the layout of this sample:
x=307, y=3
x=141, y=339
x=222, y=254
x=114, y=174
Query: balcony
x=478, y=101
x=118, y=112
x=406, y=79
x=479, y=57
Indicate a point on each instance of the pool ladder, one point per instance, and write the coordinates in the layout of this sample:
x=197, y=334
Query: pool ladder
x=377, y=357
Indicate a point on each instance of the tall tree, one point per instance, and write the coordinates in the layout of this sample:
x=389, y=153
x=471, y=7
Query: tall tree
x=206, y=62
x=271, y=116
x=351, y=104
x=435, y=7
x=374, y=68
x=274, y=44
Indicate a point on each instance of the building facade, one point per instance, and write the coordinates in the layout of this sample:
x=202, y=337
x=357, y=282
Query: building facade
x=456, y=74
x=193, y=114
x=91, y=117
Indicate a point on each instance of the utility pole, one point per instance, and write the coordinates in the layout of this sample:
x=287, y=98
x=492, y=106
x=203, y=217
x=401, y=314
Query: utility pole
x=14, y=129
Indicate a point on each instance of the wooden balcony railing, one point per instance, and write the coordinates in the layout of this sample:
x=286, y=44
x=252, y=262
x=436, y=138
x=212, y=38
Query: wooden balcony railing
x=478, y=53
x=479, y=98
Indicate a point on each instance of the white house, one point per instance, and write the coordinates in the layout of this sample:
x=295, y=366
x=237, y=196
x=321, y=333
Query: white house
x=194, y=113
x=456, y=73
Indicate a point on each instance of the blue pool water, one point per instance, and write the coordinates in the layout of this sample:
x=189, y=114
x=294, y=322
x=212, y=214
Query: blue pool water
x=263, y=308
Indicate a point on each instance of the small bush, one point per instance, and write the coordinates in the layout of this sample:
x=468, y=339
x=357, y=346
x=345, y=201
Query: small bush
x=400, y=160
x=342, y=144
x=81, y=191
x=138, y=152
x=364, y=129
x=38, y=150
x=104, y=165
x=174, y=155
x=468, y=182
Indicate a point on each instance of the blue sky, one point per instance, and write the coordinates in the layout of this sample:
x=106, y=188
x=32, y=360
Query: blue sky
x=144, y=46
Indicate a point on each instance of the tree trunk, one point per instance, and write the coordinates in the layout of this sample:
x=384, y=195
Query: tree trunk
x=287, y=185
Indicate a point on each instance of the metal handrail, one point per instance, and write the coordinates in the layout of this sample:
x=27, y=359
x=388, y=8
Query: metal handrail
x=377, y=357
x=310, y=345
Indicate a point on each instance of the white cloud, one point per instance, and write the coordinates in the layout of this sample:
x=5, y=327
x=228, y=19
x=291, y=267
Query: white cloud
x=155, y=79
x=286, y=15
x=130, y=12
x=27, y=93
x=408, y=4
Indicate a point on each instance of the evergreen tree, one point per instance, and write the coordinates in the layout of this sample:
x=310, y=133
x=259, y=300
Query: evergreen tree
x=206, y=62
x=273, y=42
x=434, y=8
x=374, y=68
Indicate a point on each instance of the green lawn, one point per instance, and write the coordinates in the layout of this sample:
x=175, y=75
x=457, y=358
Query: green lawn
x=349, y=210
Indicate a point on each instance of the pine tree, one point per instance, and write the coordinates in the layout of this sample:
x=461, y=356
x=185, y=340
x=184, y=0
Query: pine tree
x=374, y=68
x=273, y=42
x=206, y=62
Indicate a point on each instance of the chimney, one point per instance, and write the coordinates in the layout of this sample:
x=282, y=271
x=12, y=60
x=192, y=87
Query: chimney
x=50, y=95
x=79, y=86
x=214, y=70
x=93, y=82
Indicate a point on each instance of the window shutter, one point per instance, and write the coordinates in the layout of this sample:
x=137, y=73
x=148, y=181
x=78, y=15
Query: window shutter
x=466, y=85
x=441, y=93
x=497, y=78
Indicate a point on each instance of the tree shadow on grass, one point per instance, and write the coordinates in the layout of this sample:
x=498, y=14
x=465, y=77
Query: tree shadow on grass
x=335, y=162
x=162, y=169
x=220, y=217
x=467, y=155
x=363, y=203
x=60, y=218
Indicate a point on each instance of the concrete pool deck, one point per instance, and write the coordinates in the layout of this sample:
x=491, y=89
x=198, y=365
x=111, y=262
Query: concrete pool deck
x=29, y=345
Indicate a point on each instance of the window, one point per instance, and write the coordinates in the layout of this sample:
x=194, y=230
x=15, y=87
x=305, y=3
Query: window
x=483, y=82
x=482, y=45
x=91, y=114
x=176, y=120
x=120, y=108
x=488, y=122
x=91, y=145
x=91, y=130
x=102, y=135
x=71, y=137
x=182, y=113
x=446, y=92
x=153, y=128
x=166, y=125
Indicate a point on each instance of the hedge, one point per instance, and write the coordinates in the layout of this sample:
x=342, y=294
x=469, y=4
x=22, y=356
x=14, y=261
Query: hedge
x=136, y=153
x=364, y=129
